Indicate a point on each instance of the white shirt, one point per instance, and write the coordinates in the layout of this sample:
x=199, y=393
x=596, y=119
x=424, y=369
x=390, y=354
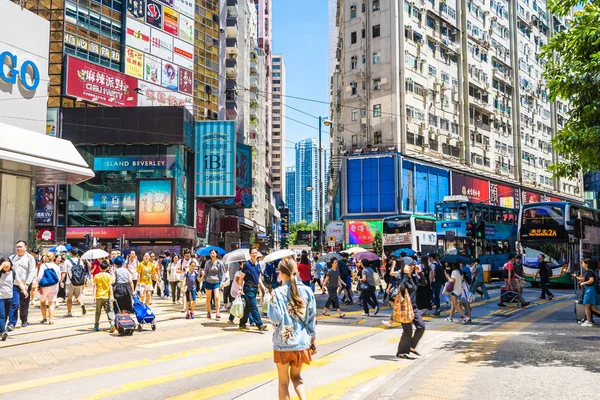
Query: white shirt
x=131, y=267
x=69, y=263
x=25, y=267
x=174, y=272
x=457, y=282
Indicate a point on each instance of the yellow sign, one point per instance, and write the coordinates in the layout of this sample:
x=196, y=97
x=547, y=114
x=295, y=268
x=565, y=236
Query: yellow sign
x=542, y=233
x=134, y=63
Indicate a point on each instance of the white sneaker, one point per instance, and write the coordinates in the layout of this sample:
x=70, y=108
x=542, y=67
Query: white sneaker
x=387, y=323
x=587, y=324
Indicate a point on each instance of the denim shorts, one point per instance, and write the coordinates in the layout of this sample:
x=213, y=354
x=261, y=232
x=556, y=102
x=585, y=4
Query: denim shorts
x=190, y=295
x=211, y=286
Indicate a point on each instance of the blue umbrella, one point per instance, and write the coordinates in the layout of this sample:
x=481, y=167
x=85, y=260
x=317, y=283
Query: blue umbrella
x=60, y=249
x=455, y=259
x=409, y=252
x=205, y=251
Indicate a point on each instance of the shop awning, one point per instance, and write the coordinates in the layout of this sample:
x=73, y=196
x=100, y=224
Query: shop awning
x=48, y=159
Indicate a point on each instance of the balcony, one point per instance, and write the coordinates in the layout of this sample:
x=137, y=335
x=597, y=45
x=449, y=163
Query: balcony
x=253, y=96
x=253, y=82
x=232, y=8
x=232, y=27
x=253, y=66
x=253, y=108
x=253, y=122
x=231, y=44
x=231, y=110
x=230, y=84
x=231, y=68
x=252, y=142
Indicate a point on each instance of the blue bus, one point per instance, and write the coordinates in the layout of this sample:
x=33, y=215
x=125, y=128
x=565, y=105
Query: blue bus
x=549, y=228
x=453, y=215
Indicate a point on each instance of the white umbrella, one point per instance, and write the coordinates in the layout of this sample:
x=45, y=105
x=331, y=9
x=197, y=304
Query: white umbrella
x=279, y=254
x=94, y=254
x=354, y=250
x=239, y=255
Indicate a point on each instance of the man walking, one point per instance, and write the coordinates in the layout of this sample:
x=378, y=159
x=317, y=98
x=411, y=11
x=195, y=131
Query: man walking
x=76, y=275
x=250, y=275
x=346, y=277
x=512, y=281
x=544, y=272
x=478, y=281
x=24, y=266
x=438, y=280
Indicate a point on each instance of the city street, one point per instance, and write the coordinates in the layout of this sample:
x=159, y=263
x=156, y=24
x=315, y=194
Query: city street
x=503, y=348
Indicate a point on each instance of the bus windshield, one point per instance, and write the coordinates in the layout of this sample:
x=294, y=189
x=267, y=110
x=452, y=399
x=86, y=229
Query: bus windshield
x=396, y=225
x=555, y=253
x=543, y=215
x=426, y=225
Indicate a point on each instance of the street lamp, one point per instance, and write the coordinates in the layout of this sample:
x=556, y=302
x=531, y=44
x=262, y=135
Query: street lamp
x=326, y=122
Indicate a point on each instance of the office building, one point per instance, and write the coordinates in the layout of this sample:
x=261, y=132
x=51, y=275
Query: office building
x=455, y=89
x=290, y=193
x=278, y=127
x=307, y=181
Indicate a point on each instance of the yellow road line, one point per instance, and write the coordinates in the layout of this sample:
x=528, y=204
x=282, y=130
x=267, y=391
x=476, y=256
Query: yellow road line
x=239, y=383
x=185, y=340
x=337, y=389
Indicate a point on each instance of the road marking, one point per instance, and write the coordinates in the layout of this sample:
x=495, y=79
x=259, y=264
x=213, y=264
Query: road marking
x=337, y=389
x=145, y=383
x=239, y=383
x=185, y=340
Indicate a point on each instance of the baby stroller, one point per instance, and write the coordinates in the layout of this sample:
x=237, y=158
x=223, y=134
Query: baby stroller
x=509, y=295
x=143, y=314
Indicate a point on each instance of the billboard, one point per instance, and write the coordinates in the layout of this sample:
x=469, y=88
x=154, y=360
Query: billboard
x=134, y=163
x=51, y=121
x=46, y=235
x=161, y=44
x=134, y=62
x=243, y=178
x=186, y=81
x=152, y=69
x=169, y=75
x=183, y=54
x=229, y=224
x=137, y=35
x=335, y=229
x=171, y=21
x=136, y=9
x=532, y=197
x=155, y=202
x=45, y=197
x=154, y=14
x=362, y=233
x=201, y=213
x=99, y=85
x=152, y=95
x=215, y=159
x=476, y=189
x=186, y=28
x=119, y=200
x=504, y=195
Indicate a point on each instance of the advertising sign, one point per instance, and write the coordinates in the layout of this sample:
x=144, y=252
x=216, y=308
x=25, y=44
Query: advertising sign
x=134, y=63
x=504, y=196
x=119, y=200
x=186, y=81
x=215, y=159
x=397, y=239
x=137, y=35
x=92, y=47
x=335, y=229
x=51, y=121
x=154, y=14
x=543, y=234
x=161, y=44
x=200, y=218
x=46, y=235
x=136, y=232
x=99, y=85
x=136, y=9
x=362, y=233
x=477, y=190
x=167, y=2
x=229, y=225
x=44, y=205
x=171, y=21
x=285, y=222
x=186, y=28
x=184, y=7
x=152, y=95
x=169, y=75
x=183, y=54
x=134, y=163
x=532, y=197
x=152, y=69
x=155, y=202
x=243, y=178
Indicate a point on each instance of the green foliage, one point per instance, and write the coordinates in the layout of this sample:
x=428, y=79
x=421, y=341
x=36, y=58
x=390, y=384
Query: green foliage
x=572, y=73
x=378, y=243
x=301, y=226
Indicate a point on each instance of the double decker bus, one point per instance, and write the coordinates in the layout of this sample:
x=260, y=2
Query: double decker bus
x=409, y=231
x=552, y=229
x=456, y=215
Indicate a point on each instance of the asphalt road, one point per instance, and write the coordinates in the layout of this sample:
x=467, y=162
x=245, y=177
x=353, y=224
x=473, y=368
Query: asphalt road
x=512, y=352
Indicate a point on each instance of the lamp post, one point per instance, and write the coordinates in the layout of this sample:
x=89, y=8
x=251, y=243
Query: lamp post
x=326, y=122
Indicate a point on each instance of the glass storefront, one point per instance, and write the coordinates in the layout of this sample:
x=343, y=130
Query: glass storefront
x=109, y=199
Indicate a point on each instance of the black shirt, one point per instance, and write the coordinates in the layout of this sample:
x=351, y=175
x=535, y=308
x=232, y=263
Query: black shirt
x=544, y=273
x=344, y=271
x=589, y=274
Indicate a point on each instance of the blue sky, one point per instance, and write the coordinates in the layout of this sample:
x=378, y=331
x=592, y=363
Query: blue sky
x=300, y=35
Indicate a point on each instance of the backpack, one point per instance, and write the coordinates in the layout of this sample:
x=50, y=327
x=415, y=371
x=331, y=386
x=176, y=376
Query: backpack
x=466, y=276
x=50, y=277
x=77, y=273
x=269, y=273
x=438, y=272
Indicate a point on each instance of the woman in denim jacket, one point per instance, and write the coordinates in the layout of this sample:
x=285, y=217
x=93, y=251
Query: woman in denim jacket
x=292, y=311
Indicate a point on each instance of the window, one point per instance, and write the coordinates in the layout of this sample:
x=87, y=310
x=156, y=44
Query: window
x=354, y=115
x=377, y=110
x=276, y=66
x=277, y=60
x=354, y=88
x=377, y=137
x=375, y=5
x=352, y=11
x=277, y=82
x=353, y=62
x=377, y=58
x=353, y=38
x=276, y=75
x=376, y=31
x=377, y=84
x=432, y=70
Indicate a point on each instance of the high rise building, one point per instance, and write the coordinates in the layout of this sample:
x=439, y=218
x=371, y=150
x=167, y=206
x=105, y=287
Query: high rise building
x=307, y=180
x=290, y=192
x=278, y=130
x=455, y=89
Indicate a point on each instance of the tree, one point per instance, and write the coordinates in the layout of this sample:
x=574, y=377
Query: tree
x=572, y=73
x=301, y=226
x=378, y=243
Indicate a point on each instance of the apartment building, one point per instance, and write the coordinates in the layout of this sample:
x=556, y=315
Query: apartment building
x=452, y=85
x=278, y=127
x=307, y=181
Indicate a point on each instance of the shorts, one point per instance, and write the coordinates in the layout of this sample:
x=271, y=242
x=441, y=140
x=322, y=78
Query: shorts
x=74, y=291
x=146, y=288
x=190, y=295
x=454, y=295
x=295, y=358
x=49, y=294
x=211, y=286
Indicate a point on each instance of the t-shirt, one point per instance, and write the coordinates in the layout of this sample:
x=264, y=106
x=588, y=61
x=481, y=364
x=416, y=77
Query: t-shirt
x=511, y=267
x=7, y=279
x=69, y=267
x=369, y=273
x=190, y=280
x=343, y=269
x=457, y=282
x=333, y=275
x=121, y=275
x=165, y=263
x=544, y=272
x=173, y=275
x=102, y=282
x=304, y=271
x=479, y=273
x=132, y=268
x=589, y=274
x=146, y=271
x=24, y=266
x=467, y=272
x=251, y=273
x=519, y=269
x=213, y=272
x=43, y=268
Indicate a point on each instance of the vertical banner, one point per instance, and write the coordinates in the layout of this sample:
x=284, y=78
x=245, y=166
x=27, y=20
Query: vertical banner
x=215, y=159
x=504, y=196
x=200, y=218
x=477, y=190
x=44, y=205
x=155, y=202
x=52, y=122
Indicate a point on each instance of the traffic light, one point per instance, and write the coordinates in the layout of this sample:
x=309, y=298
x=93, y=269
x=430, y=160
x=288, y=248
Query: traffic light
x=480, y=230
x=469, y=229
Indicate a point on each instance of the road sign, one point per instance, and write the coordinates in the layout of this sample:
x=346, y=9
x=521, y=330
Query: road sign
x=331, y=239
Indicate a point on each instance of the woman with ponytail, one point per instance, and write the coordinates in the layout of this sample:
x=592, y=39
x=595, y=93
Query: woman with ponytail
x=292, y=311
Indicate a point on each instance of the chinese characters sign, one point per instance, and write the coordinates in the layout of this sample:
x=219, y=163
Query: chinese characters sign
x=134, y=63
x=155, y=202
x=99, y=85
x=152, y=95
x=215, y=159
x=362, y=233
x=504, y=196
x=477, y=190
x=119, y=200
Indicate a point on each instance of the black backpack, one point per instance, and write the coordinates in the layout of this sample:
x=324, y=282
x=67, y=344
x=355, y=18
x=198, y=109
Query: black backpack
x=438, y=272
x=77, y=273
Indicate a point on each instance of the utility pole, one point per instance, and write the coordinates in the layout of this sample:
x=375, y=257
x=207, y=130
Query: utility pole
x=320, y=208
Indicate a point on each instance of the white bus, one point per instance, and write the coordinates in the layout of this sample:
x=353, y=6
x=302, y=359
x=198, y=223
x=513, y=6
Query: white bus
x=414, y=231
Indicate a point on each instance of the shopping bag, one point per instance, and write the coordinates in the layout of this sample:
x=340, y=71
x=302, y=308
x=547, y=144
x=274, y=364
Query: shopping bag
x=403, y=309
x=265, y=305
x=237, y=308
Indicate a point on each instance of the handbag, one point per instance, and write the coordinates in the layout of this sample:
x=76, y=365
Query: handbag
x=237, y=308
x=449, y=288
x=403, y=309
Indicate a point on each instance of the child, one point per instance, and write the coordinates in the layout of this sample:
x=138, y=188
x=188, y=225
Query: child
x=189, y=280
x=103, y=293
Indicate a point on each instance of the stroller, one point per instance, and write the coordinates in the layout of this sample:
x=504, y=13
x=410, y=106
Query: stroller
x=143, y=314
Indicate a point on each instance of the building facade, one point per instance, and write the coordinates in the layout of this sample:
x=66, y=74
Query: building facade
x=307, y=181
x=290, y=193
x=278, y=127
x=450, y=84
